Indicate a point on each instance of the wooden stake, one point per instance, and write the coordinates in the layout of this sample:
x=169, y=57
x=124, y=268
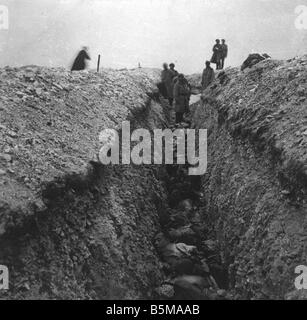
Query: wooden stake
x=98, y=63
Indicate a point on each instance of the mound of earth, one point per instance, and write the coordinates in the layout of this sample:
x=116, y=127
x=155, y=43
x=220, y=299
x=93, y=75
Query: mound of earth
x=256, y=184
x=69, y=227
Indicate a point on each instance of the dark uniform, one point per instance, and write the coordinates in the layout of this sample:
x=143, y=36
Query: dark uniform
x=79, y=63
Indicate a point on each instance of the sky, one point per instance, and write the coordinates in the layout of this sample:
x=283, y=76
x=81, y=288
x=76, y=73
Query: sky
x=126, y=32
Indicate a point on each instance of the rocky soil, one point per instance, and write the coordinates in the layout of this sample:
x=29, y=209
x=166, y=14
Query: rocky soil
x=70, y=228
x=256, y=185
x=74, y=229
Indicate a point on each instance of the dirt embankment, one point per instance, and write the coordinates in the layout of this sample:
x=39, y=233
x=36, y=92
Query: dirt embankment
x=68, y=228
x=256, y=184
x=71, y=228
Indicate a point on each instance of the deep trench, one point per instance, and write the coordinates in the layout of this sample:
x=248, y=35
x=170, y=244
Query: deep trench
x=191, y=263
x=199, y=274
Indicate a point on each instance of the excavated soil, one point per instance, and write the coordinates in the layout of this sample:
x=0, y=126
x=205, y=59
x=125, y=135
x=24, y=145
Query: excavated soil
x=256, y=184
x=71, y=228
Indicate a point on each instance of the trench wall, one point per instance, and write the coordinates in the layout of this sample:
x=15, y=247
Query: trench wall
x=256, y=183
x=69, y=227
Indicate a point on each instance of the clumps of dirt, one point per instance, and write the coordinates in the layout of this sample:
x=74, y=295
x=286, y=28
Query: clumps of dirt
x=255, y=187
x=51, y=119
x=253, y=59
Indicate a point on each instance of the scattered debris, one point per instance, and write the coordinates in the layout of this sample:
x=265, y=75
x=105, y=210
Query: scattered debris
x=253, y=59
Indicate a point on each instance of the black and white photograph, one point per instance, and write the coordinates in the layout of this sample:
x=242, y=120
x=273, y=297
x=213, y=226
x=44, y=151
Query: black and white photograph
x=153, y=150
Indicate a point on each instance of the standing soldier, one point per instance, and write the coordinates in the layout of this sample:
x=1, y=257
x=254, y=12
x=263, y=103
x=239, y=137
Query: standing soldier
x=181, y=96
x=175, y=74
x=208, y=76
x=217, y=54
x=172, y=68
x=224, y=53
x=167, y=80
x=79, y=63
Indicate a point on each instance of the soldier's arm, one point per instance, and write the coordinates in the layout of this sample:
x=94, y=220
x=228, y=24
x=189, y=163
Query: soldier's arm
x=87, y=56
x=213, y=76
x=163, y=76
x=176, y=92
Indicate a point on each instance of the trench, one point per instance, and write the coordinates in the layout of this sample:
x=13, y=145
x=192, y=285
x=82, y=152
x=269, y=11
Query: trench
x=93, y=240
x=149, y=232
x=192, y=264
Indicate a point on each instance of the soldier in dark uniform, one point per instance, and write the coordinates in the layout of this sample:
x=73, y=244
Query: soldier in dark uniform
x=217, y=54
x=80, y=61
x=224, y=53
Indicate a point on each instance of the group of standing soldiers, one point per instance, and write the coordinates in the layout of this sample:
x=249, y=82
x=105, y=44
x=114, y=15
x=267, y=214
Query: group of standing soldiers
x=220, y=52
x=176, y=88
